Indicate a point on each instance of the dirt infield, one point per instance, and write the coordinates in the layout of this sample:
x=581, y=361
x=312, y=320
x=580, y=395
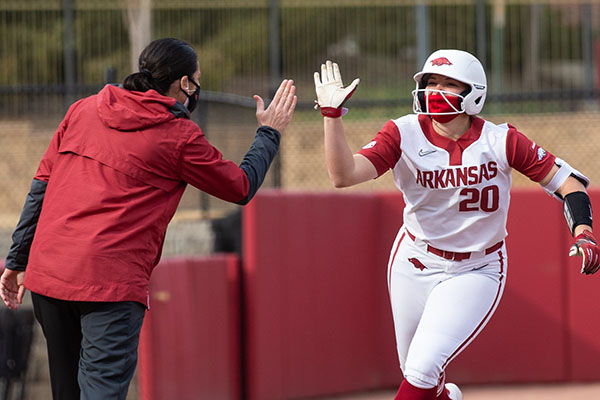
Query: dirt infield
x=505, y=392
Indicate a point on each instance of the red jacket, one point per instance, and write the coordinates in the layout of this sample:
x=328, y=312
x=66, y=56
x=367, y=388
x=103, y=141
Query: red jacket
x=116, y=170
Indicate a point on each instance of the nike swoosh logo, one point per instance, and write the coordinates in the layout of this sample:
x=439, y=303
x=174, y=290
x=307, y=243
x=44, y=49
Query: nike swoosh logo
x=423, y=153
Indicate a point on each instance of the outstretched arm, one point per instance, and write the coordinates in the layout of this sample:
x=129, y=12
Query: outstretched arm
x=272, y=122
x=345, y=169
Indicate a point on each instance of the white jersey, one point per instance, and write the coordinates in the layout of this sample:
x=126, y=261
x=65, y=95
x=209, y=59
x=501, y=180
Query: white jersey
x=457, y=193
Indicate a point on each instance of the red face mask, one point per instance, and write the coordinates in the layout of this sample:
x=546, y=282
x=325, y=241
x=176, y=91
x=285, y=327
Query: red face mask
x=438, y=104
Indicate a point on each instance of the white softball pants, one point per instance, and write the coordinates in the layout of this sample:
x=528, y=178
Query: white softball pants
x=439, y=306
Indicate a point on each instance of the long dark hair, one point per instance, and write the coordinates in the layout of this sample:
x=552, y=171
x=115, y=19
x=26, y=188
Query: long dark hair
x=161, y=63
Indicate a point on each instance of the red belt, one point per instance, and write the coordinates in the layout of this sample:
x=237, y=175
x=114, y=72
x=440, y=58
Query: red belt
x=453, y=255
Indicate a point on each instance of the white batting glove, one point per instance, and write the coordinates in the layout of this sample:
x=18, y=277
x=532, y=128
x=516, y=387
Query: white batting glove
x=331, y=94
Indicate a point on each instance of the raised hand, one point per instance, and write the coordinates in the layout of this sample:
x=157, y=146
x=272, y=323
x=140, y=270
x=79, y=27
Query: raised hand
x=331, y=94
x=279, y=113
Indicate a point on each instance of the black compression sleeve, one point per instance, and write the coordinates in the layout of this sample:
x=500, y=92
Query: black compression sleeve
x=257, y=160
x=577, y=209
x=18, y=255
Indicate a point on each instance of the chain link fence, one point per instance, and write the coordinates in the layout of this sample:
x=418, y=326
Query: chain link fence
x=541, y=57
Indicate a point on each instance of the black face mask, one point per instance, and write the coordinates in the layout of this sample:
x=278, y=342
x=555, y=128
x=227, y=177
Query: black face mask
x=192, y=98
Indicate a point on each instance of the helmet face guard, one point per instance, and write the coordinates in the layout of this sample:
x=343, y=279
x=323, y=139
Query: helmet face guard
x=458, y=65
x=421, y=101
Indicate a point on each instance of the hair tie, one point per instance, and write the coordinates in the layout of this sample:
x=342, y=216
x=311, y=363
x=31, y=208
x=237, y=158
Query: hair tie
x=146, y=73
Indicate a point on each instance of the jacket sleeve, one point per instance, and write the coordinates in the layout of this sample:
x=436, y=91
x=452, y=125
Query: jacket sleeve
x=22, y=237
x=18, y=254
x=204, y=167
x=258, y=159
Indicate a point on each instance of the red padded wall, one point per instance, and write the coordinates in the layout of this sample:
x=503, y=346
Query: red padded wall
x=315, y=296
x=190, y=341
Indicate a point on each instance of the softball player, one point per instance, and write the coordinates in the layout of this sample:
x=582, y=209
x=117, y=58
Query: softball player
x=447, y=266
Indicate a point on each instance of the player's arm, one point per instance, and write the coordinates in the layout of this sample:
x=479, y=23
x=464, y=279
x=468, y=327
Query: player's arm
x=577, y=209
x=566, y=184
x=569, y=189
x=345, y=169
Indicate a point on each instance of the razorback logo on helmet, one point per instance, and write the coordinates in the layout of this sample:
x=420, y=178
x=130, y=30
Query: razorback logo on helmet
x=441, y=61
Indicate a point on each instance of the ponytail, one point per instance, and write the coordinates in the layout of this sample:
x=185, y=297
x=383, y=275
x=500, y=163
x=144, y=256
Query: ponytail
x=140, y=81
x=161, y=63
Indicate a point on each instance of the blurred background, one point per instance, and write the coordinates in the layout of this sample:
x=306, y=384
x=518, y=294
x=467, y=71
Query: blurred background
x=542, y=60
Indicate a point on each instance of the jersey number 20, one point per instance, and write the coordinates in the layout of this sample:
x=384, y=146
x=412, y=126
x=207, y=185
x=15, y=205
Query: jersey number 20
x=485, y=199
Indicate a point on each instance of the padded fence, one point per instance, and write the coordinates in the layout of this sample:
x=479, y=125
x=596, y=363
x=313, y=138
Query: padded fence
x=190, y=341
x=315, y=319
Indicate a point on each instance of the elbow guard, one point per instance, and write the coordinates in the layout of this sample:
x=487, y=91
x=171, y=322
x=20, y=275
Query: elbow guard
x=577, y=209
x=564, y=171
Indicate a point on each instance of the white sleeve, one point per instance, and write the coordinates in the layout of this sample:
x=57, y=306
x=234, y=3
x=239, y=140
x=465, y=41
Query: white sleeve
x=564, y=171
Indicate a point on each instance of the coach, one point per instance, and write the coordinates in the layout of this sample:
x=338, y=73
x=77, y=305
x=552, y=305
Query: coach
x=94, y=221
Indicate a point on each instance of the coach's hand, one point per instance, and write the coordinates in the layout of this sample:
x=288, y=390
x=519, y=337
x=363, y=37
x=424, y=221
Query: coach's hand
x=11, y=288
x=279, y=113
x=586, y=246
x=331, y=94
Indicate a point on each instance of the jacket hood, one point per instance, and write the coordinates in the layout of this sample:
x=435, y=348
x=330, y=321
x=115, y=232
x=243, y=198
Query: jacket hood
x=128, y=110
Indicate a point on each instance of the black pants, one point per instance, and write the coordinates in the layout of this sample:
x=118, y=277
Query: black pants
x=92, y=346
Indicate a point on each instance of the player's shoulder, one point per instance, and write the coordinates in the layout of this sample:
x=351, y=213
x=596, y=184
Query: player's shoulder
x=406, y=123
x=406, y=119
x=498, y=130
x=396, y=127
